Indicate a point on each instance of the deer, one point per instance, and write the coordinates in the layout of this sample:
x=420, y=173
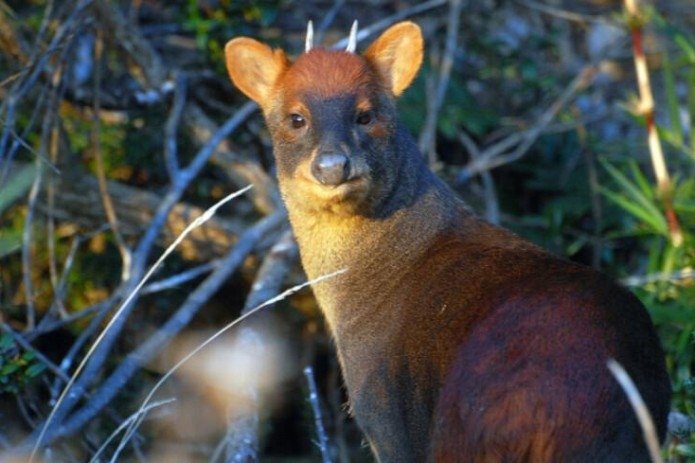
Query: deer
x=458, y=340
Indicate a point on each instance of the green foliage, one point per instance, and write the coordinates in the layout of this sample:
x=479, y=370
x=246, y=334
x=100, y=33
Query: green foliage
x=669, y=288
x=17, y=369
x=16, y=187
x=214, y=25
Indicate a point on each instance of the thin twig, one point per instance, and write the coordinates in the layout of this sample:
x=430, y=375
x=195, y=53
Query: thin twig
x=496, y=155
x=180, y=278
x=26, y=247
x=318, y=420
x=172, y=126
x=560, y=13
x=492, y=208
x=107, y=203
x=373, y=28
x=127, y=423
x=428, y=135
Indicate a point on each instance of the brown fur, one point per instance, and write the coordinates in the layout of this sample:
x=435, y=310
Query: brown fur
x=459, y=341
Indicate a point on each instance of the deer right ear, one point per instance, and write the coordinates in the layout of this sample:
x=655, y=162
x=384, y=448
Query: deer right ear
x=254, y=67
x=397, y=55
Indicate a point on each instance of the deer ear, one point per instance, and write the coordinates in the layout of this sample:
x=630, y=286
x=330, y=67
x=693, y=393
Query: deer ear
x=397, y=55
x=254, y=67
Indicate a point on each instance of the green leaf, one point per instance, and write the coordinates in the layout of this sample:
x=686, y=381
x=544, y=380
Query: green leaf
x=35, y=370
x=6, y=341
x=656, y=222
x=686, y=450
x=9, y=369
x=17, y=185
x=641, y=180
x=10, y=241
x=635, y=201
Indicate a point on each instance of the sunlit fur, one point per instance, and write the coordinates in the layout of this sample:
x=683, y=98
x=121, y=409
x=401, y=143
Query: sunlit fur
x=458, y=340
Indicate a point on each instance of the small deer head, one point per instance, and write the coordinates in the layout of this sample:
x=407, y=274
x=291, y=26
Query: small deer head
x=332, y=116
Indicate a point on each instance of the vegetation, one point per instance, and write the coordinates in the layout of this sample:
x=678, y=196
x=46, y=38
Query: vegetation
x=119, y=127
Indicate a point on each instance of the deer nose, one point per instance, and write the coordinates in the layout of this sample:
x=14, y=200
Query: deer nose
x=331, y=168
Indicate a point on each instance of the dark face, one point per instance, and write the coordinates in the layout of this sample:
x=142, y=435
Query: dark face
x=333, y=131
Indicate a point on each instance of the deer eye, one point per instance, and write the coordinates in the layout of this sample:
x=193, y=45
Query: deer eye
x=297, y=121
x=364, y=117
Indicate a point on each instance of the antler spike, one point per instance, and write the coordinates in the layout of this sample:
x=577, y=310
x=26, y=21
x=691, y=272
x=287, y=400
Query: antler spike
x=352, y=40
x=309, y=44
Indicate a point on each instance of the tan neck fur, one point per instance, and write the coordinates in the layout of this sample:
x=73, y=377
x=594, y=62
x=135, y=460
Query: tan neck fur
x=374, y=251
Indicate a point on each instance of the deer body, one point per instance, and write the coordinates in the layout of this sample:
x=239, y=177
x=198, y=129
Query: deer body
x=459, y=341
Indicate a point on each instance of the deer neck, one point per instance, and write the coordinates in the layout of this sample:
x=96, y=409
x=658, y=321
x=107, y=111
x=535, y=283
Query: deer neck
x=373, y=251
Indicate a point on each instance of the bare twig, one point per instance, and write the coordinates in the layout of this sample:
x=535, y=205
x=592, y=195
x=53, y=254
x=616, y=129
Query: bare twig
x=107, y=203
x=328, y=19
x=492, y=208
x=180, y=278
x=131, y=40
x=125, y=424
x=427, y=137
x=58, y=283
x=239, y=169
x=38, y=64
x=77, y=201
x=318, y=421
x=373, y=28
x=172, y=126
x=497, y=154
x=560, y=13
x=26, y=247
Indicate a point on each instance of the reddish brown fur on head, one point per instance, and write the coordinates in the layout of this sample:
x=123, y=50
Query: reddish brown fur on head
x=260, y=72
x=341, y=73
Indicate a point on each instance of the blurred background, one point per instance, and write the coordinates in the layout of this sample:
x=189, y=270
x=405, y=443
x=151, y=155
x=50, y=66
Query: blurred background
x=119, y=127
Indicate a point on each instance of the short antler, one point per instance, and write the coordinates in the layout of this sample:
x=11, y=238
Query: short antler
x=352, y=40
x=309, y=44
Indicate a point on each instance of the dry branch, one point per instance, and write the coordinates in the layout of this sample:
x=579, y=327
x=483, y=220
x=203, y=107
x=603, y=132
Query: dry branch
x=77, y=200
x=239, y=169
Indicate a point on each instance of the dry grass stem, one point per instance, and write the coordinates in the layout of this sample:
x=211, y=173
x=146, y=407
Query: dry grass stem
x=197, y=222
x=285, y=294
x=640, y=408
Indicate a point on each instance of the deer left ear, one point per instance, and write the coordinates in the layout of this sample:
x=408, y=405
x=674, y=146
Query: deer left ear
x=254, y=67
x=397, y=55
